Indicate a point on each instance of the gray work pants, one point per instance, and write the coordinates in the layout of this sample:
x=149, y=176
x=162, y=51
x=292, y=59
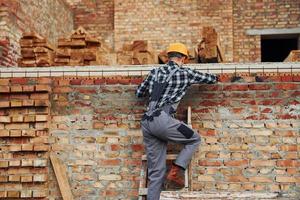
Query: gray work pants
x=157, y=133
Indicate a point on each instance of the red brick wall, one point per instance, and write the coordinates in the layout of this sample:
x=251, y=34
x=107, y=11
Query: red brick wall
x=255, y=14
x=250, y=134
x=162, y=22
x=97, y=17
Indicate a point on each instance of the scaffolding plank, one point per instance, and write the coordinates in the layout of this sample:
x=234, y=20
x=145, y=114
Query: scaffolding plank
x=61, y=176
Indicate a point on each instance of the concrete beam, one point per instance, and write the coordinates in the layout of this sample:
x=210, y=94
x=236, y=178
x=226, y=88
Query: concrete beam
x=137, y=70
x=273, y=31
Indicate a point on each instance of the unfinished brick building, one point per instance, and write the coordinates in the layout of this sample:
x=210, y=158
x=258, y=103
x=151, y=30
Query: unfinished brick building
x=89, y=118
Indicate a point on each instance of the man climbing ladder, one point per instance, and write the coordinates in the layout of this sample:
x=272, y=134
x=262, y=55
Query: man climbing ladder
x=166, y=86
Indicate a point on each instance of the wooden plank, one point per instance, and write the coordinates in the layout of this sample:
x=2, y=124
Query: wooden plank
x=62, y=178
x=189, y=116
x=169, y=157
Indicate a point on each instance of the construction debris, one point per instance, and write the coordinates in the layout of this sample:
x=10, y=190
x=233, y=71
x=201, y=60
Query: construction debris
x=35, y=51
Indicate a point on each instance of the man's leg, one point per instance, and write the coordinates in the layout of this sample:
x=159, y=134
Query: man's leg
x=179, y=132
x=156, y=160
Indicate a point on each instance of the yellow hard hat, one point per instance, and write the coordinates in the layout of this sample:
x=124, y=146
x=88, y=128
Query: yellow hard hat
x=178, y=47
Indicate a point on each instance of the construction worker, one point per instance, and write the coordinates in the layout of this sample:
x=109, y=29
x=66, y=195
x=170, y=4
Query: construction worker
x=166, y=86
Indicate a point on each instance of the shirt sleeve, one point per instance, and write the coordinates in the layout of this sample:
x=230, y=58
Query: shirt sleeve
x=199, y=77
x=144, y=86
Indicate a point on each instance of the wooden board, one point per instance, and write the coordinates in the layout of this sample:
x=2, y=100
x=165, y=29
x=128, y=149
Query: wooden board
x=61, y=176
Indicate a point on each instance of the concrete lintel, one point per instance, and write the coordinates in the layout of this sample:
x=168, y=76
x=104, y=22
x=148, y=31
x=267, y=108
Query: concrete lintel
x=273, y=31
x=217, y=68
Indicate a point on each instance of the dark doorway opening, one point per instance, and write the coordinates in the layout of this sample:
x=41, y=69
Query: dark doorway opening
x=277, y=48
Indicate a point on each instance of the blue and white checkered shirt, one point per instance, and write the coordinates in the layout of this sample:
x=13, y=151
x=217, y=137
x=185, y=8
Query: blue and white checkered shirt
x=178, y=84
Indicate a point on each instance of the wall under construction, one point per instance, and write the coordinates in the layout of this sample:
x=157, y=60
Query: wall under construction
x=119, y=23
x=249, y=130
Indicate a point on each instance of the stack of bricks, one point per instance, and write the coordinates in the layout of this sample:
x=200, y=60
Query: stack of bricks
x=294, y=56
x=207, y=50
x=138, y=53
x=78, y=50
x=6, y=59
x=35, y=51
x=24, y=113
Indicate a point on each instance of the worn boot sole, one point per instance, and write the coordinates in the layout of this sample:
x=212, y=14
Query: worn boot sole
x=172, y=185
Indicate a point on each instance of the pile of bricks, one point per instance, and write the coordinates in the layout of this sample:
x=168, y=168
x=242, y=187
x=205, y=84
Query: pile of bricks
x=294, y=56
x=78, y=50
x=208, y=49
x=138, y=53
x=24, y=113
x=35, y=51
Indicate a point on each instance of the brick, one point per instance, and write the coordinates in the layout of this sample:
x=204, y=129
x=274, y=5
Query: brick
x=26, y=193
x=4, y=133
x=28, y=88
x=17, y=126
x=3, y=179
x=28, y=133
x=236, y=179
x=17, y=118
x=15, y=148
x=4, y=82
x=206, y=178
x=210, y=163
x=13, y=194
x=40, y=163
x=262, y=163
x=41, y=147
x=259, y=87
x=288, y=163
x=4, y=164
x=14, y=163
x=14, y=178
x=289, y=147
x=236, y=87
x=5, y=119
x=260, y=179
x=16, y=88
x=40, y=178
x=39, y=193
x=28, y=102
x=29, y=118
x=3, y=194
x=16, y=103
x=4, y=104
x=27, y=162
x=39, y=96
x=26, y=179
x=15, y=133
x=27, y=147
x=41, y=88
x=236, y=163
x=41, y=102
x=286, y=86
x=4, y=89
x=287, y=179
x=41, y=118
x=110, y=177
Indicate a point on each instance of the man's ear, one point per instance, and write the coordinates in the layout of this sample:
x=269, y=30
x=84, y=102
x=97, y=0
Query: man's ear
x=185, y=60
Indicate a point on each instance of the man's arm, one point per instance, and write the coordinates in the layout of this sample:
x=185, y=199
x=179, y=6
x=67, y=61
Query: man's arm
x=199, y=77
x=144, y=86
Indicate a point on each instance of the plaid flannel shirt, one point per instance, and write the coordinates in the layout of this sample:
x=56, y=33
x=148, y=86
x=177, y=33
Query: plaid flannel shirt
x=178, y=84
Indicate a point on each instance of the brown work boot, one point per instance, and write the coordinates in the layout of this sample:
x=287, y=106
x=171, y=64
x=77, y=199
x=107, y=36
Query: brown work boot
x=175, y=178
